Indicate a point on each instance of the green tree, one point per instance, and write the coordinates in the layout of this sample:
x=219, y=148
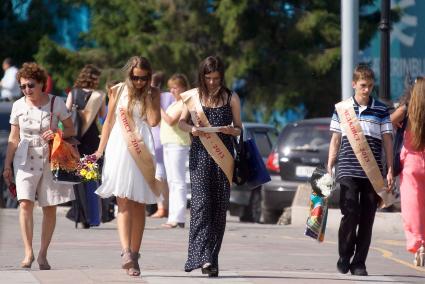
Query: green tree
x=281, y=53
x=21, y=31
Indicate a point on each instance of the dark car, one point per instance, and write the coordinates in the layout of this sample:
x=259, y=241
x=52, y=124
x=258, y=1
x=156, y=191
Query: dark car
x=246, y=202
x=301, y=147
x=5, y=109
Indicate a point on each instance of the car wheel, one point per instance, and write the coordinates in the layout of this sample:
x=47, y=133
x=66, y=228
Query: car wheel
x=270, y=216
x=252, y=212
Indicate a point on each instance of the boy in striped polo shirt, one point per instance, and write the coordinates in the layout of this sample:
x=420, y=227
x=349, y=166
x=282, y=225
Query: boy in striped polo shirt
x=358, y=199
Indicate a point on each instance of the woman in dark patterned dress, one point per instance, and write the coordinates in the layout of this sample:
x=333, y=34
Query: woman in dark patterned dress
x=210, y=186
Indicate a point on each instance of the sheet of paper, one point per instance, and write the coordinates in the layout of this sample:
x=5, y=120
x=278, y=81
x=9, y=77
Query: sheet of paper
x=210, y=129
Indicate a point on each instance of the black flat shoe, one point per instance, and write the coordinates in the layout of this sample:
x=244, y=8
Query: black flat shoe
x=343, y=265
x=358, y=271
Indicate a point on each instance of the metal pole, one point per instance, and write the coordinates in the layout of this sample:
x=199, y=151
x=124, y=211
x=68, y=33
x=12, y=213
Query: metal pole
x=349, y=44
x=384, y=26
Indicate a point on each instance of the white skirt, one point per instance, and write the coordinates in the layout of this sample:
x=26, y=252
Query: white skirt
x=120, y=175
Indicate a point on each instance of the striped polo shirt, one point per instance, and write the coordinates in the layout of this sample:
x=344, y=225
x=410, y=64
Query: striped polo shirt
x=375, y=121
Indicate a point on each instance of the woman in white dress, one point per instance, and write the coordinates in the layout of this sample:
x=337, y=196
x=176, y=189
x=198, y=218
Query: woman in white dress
x=34, y=120
x=121, y=174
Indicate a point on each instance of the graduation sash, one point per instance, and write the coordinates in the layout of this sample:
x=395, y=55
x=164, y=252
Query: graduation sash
x=211, y=141
x=137, y=147
x=89, y=113
x=362, y=150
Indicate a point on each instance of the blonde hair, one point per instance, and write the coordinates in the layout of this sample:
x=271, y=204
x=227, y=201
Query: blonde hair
x=135, y=95
x=179, y=79
x=417, y=114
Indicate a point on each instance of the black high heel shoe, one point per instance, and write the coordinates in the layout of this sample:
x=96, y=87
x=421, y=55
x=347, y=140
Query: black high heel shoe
x=213, y=274
x=207, y=268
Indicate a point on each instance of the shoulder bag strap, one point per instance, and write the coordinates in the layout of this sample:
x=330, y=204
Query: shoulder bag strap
x=52, y=102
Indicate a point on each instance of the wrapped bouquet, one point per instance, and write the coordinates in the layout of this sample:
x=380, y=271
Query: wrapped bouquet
x=88, y=169
x=323, y=184
x=63, y=160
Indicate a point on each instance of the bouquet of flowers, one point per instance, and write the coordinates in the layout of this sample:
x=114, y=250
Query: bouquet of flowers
x=88, y=169
x=63, y=161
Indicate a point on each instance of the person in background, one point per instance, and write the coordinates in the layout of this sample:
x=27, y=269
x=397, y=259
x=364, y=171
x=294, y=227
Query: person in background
x=129, y=174
x=161, y=174
x=87, y=103
x=209, y=182
x=398, y=115
x=412, y=177
x=34, y=120
x=176, y=153
x=9, y=85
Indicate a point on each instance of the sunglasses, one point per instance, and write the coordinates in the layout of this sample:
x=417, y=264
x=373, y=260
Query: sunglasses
x=139, y=78
x=29, y=85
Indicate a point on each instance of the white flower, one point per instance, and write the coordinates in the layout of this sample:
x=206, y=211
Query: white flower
x=326, y=184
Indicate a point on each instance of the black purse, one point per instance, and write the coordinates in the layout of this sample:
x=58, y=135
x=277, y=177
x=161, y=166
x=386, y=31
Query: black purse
x=79, y=102
x=398, y=144
x=64, y=177
x=240, y=171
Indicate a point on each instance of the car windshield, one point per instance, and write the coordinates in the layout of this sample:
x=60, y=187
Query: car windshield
x=308, y=138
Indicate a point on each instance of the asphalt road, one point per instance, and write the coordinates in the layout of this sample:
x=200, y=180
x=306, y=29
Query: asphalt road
x=251, y=253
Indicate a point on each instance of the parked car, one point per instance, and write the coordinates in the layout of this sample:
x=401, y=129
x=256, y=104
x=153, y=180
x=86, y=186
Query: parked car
x=300, y=148
x=246, y=202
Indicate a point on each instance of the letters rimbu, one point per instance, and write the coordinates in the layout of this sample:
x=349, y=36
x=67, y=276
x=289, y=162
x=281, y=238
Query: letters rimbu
x=136, y=146
x=362, y=150
x=211, y=141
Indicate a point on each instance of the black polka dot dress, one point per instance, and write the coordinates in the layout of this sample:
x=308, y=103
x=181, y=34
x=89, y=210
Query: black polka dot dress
x=210, y=195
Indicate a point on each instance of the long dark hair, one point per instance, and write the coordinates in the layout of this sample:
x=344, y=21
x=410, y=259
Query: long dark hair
x=135, y=95
x=207, y=66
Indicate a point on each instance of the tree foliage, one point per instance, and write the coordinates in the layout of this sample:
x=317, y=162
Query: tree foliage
x=278, y=53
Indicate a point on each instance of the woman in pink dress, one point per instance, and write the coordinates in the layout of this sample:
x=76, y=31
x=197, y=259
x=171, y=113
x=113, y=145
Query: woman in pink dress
x=412, y=178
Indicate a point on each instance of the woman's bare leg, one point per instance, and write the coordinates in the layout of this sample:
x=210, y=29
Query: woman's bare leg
x=26, y=222
x=124, y=222
x=137, y=226
x=47, y=229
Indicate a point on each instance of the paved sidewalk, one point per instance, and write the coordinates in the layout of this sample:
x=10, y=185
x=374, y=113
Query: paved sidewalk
x=251, y=253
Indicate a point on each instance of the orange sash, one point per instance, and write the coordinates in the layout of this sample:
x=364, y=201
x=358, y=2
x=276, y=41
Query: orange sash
x=362, y=150
x=211, y=141
x=138, y=150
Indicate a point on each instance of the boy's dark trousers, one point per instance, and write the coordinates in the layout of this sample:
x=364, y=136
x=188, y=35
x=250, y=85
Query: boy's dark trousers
x=358, y=203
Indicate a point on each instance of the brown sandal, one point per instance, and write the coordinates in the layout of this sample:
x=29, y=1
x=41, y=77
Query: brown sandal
x=160, y=213
x=44, y=265
x=172, y=225
x=135, y=270
x=27, y=264
x=126, y=260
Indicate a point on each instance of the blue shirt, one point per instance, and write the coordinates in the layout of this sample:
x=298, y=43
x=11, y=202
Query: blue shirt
x=375, y=121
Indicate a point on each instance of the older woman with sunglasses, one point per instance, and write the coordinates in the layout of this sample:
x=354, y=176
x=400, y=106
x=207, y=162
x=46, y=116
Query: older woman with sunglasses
x=129, y=167
x=33, y=124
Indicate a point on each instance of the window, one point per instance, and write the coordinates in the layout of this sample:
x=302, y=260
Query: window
x=263, y=143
